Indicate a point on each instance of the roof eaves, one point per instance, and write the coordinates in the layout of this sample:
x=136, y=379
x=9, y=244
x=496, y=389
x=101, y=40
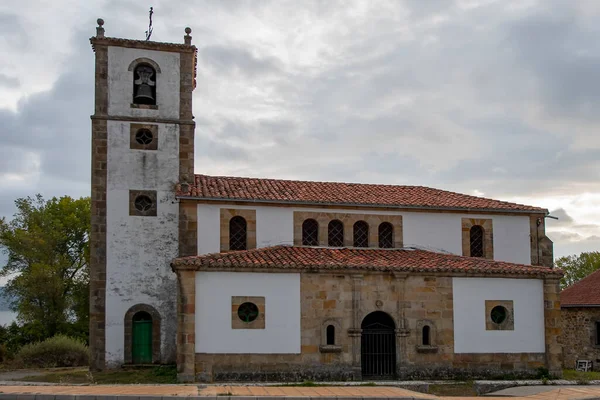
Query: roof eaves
x=366, y=205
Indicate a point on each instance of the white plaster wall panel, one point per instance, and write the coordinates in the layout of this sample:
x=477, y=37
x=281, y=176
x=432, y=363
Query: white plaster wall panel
x=443, y=231
x=209, y=226
x=140, y=249
x=214, y=334
x=512, y=239
x=470, y=334
x=433, y=230
x=120, y=83
x=274, y=226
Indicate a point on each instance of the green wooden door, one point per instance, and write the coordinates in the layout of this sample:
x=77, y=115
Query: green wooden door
x=142, y=338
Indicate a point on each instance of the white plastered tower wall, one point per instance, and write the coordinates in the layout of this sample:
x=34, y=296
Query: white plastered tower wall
x=131, y=248
x=140, y=248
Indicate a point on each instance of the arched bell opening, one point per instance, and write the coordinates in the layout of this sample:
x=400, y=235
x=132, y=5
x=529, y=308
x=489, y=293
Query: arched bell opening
x=144, y=84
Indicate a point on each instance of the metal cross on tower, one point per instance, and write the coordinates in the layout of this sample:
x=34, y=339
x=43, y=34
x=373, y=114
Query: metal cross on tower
x=149, y=31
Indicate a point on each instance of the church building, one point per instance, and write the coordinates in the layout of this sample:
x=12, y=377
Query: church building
x=236, y=278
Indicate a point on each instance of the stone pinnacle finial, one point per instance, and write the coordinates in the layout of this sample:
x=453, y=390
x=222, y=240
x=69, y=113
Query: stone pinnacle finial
x=187, y=39
x=100, y=28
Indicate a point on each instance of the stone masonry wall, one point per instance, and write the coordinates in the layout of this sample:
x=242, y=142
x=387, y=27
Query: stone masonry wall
x=344, y=300
x=579, y=336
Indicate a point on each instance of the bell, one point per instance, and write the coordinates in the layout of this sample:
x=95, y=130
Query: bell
x=143, y=86
x=143, y=95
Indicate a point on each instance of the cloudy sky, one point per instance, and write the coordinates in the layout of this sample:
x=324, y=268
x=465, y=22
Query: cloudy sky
x=494, y=98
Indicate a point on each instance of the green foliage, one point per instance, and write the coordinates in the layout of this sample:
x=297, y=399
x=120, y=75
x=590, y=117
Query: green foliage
x=542, y=373
x=57, y=351
x=577, y=267
x=48, y=259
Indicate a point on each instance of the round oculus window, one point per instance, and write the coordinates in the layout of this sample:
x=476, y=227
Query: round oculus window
x=144, y=136
x=247, y=312
x=143, y=203
x=499, y=314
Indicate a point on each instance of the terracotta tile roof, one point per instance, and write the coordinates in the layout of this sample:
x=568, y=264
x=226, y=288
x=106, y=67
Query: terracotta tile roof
x=586, y=292
x=399, y=260
x=337, y=193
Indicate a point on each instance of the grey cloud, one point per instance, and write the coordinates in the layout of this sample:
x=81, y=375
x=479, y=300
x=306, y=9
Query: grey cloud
x=238, y=60
x=563, y=217
x=9, y=82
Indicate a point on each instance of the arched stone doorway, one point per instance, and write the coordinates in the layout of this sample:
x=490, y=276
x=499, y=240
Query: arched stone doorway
x=142, y=335
x=378, y=346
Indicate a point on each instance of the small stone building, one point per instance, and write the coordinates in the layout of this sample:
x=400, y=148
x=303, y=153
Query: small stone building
x=255, y=278
x=580, y=310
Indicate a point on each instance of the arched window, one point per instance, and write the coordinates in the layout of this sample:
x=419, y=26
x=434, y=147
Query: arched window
x=237, y=233
x=330, y=334
x=144, y=85
x=386, y=235
x=310, y=233
x=335, y=233
x=476, y=241
x=426, y=336
x=361, y=234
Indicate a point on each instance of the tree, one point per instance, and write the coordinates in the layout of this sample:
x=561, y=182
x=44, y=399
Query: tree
x=48, y=261
x=577, y=267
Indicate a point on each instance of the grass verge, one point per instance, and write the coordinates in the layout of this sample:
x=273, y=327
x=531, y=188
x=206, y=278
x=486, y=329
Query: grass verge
x=579, y=376
x=453, y=389
x=162, y=374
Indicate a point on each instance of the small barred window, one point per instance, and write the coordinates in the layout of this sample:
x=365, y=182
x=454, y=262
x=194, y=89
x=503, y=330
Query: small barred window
x=361, y=234
x=386, y=235
x=335, y=233
x=310, y=233
x=237, y=233
x=476, y=241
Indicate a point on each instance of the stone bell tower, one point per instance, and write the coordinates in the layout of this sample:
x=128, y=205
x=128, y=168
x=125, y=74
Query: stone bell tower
x=142, y=147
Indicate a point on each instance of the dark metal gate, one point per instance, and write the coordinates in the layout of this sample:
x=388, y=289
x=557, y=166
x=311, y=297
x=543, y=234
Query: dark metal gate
x=378, y=349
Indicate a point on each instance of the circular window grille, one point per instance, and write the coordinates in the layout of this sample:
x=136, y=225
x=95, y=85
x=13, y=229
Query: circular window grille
x=143, y=203
x=248, y=312
x=498, y=314
x=144, y=136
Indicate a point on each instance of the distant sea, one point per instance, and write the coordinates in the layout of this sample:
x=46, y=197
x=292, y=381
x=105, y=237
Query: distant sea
x=7, y=317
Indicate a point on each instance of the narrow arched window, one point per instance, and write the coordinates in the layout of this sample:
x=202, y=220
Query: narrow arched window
x=310, y=233
x=330, y=334
x=386, y=235
x=237, y=233
x=144, y=85
x=476, y=241
x=335, y=233
x=426, y=335
x=361, y=234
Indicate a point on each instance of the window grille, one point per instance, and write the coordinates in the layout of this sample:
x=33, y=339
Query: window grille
x=143, y=203
x=144, y=136
x=335, y=234
x=386, y=235
x=237, y=233
x=361, y=234
x=310, y=233
x=476, y=242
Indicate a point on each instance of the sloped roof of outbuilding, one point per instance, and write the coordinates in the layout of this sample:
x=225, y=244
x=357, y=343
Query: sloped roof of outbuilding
x=285, y=257
x=585, y=292
x=339, y=193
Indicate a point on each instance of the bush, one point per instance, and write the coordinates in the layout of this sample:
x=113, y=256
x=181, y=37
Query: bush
x=57, y=351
